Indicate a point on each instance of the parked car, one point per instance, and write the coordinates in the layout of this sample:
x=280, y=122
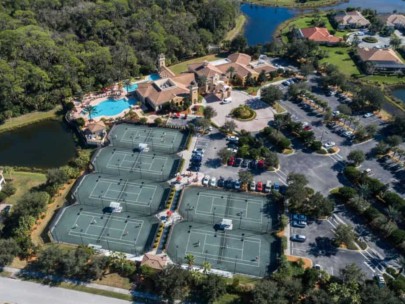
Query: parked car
x=229, y=183
x=299, y=224
x=329, y=144
x=259, y=187
x=380, y=280
x=205, y=180
x=245, y=163
x=285, y=83
x=252, y=186
x=348, y=134
x=317, y=267
x=221, y=182
x=267, y=188
x=237, y=184
x=276, y=186
x=299, y=217
x=238, y=161
x=213, y=182
x=335, y=113
x=231, y=161
x=199, y=151
x=232, y=138
x=307, y=128
x=260, y=164
x=367, y=115
x=226, y=101
x=232, y=150
x=253, y=164
x=298, y=238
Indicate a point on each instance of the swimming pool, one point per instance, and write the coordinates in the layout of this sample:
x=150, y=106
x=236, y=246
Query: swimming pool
x=112, y=107
x=133, y=86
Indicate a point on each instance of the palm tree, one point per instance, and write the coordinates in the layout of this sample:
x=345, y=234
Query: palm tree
x=356, y=123
x=206, y=267
x=127, y=83
x=401, y=262
x=190, y=260
x=230, y=70
x=90, y=110
x=392, y=213
x=364, y=190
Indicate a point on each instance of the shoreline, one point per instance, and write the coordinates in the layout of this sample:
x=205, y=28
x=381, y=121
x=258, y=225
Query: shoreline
x=307, y=5
x=241, y=21
x=30, y=118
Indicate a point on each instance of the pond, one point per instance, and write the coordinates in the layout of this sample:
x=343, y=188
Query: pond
x=262, y=21
x=46, y=144
x=399, y=93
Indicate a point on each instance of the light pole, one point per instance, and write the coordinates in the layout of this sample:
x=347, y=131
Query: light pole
x=240, y=219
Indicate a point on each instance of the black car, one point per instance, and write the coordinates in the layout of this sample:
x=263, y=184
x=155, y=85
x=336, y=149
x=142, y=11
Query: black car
x=229, y=183
x=195, y=168
x=245, y=163
x=196, y=158
x=238, y=161
x=253, y=164
x=221, y=182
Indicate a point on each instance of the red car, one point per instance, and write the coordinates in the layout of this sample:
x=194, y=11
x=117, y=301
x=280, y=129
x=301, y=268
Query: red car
x=260, y=164
x=231, y=161
x=307, y=128
x=259, y=187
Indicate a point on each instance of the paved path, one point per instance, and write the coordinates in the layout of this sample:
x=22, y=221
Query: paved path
x=14, y=291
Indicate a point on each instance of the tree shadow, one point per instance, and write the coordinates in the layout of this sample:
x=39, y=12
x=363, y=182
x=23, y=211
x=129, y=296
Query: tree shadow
x=213, y=163
x=323, y=246
x=216, y=136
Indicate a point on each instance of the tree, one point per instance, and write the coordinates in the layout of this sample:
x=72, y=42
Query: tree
x=271, y=160
x=90, y=110
x=56, y=177
x=319, y=205
x=371, y=130
x=213, y=287
x=230, y=71
x=344, y=109
x=393, y=140
x=352, y=275
x=206, y=266
x=271, y=94
x=190, y=260
x=261, y=78
x=245, y=177
x=395, y=41
x=268, y=291
x=239, y=44
x=158, y=121
x=209, y=112
x=229, y=126
x=344, y=234
x=8, y=250
x=224, y=154
x=201, y=123
x=173, y=283
x=296, y=88
x=357, y=157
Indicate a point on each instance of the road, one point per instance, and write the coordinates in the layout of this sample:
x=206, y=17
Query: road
x=14, y=291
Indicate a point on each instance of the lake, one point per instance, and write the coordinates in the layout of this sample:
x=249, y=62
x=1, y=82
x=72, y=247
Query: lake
x=399, y=93
x=262, y=21
x=45, y=144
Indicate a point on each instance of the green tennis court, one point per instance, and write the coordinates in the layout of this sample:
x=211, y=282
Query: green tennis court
x=157, y=139
x=137, y=196
x=141, y=165
x=250, y=212
x=124, y=232
x=235, y=251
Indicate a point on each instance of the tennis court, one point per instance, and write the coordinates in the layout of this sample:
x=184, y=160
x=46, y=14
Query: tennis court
x=134, y=195
x=236, y=251
x=250, y=212
x=157, y=139
x=124, y=232
x=140, y=165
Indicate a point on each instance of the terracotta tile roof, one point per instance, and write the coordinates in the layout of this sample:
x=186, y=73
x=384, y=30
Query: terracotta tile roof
x=204, y=69
x=259, y=66
x=395, y=19
x=164, y=90
x=387, y=55
x=240, y=70
x=319, y=34
x=240, y=58
x=165, y=72
x=348, y=18
x=154, y=261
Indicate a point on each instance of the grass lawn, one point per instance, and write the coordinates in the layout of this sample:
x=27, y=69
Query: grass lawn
x=95, y=291
x=29, y=118
x=228, y=299
x=339, y=56
x=114, y=280
x=240, y=22
x=182, y=66
x=384, y=79
x=24, y=182
x=293, y=3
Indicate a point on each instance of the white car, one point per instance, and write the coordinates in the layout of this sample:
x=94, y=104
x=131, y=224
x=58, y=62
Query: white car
x=252, y=186
x=199, y=151
x=206, y=180
x=380, y=280
x=329, y=144
x=348, y=133
x=336, y=113
x=226, y=101
x=367, y=115
x=232, y=150
x=213, y=182
x=267, y=188
x=233, y=138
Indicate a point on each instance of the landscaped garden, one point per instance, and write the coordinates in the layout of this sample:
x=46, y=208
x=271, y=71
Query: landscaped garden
x=244, y=113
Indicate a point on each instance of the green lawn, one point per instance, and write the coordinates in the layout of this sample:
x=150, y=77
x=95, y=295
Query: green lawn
x=293, y=3
x=339, y=56
x=228, y=299
x=182, y=66
x=29, y=118
x=24, y=182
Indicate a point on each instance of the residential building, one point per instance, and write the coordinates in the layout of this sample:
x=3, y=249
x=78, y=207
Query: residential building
x=95, y=133
x=395, y=21
x=380, y=61
x=351, y=20
x=2, y=180
x=171, y=88
x=154, y=261
x=319, y=35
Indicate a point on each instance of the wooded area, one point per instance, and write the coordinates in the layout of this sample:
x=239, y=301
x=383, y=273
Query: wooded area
x=52, y=50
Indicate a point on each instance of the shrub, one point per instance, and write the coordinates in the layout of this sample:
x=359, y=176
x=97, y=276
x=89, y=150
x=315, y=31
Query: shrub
x=369, y=39
x=322, y=151
x=69, y=106
x=316, y=145
x=346, y=193
x=393, y=199
x=372, y=213
x=3, y=196
x=352, y=174
x=375, y=186
x=397, y=236
x=283, y=243
x=80, y=122
x=9, y=189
